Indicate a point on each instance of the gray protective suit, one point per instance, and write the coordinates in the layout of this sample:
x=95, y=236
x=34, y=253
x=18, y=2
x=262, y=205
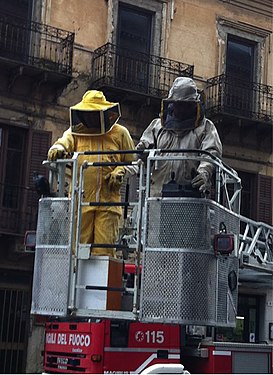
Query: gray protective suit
x=188, y=130
x=203, y=137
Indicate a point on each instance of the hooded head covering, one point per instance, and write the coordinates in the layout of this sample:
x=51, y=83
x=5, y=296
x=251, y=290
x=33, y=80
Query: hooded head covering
x=183, y=89
x=94, y=114
x=182, y=109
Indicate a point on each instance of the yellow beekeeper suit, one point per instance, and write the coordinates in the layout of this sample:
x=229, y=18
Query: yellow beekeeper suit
x=94, y=128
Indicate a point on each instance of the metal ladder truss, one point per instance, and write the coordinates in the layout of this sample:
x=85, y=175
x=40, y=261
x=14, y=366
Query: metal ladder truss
x=256, y=245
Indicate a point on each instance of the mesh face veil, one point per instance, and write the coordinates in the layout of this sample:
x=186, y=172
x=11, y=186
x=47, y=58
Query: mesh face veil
x=94, y=113
x=182, y=109
x=98, y=121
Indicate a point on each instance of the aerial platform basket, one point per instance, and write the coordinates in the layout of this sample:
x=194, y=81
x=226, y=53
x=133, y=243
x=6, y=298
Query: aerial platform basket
x=183, y=278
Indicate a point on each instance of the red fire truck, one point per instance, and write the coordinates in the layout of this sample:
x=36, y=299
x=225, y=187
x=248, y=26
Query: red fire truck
x=108, y=315
x=109, y=346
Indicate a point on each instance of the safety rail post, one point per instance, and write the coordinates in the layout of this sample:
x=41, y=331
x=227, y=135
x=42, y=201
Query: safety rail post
x=77, y=192
x=84, y=166
x=138, y=235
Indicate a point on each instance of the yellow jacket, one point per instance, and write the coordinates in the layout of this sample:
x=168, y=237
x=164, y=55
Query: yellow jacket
x=96, y=188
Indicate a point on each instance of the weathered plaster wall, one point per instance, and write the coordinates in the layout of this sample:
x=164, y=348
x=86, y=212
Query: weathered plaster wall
x=35, y=347
x=87, y=18
x=193, y=34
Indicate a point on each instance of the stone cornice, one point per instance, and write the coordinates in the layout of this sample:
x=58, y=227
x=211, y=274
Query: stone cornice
x=263, y=7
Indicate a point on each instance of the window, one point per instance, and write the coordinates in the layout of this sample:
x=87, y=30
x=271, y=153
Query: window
x=14, y=35
x=134, y=29
x=133, y=40
x=17, y=8
x=240, y=63
x=248, y=310
x=21, y=153
x=143, y=20
x=247, y=322
x=243, y=51
x=248, y=194
x=139, y=41
x=256, y=196
x=240, y=58
x=12, y=150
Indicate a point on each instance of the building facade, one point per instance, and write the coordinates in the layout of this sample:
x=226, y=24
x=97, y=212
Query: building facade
x=52, y=51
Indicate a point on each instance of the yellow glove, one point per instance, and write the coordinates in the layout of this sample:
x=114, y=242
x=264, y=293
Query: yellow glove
x=55, y=152
x=115, y=178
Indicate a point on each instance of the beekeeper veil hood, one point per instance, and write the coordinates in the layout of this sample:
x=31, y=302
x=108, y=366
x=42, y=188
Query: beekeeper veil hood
x=183, y=108
x=94, y=114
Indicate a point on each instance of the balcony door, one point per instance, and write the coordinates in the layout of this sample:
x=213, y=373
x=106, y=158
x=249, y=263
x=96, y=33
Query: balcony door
x=133, y=40
x=15, y=29
x=240, y=65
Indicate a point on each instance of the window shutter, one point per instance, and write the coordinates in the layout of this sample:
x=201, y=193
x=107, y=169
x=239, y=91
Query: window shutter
x=264, y=204
x=39, y=144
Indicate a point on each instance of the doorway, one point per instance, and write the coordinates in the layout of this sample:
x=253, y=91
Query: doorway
x=133, y=48
x=240, y=69
x=15, y=29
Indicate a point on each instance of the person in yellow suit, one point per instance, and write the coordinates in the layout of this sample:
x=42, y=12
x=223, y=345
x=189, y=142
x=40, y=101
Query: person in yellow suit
x=93, y=127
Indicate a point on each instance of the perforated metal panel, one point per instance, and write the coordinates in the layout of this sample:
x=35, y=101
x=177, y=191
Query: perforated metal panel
x=183, y=281
x=53, y=222
x=173, y=287
x=175, y=224
x=52, y=258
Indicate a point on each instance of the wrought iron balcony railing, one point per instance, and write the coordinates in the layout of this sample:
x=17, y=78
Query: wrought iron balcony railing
x=250, y=100
x=36, y=44
x=134, y=71
x=18, y=209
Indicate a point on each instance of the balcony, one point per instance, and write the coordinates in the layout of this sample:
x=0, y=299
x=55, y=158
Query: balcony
x=18, y=209
x=34, y=49
x=242, y=112
x=134, y=72
x=248, y=101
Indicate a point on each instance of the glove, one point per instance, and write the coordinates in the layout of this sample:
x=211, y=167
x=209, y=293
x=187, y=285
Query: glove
x=55, y=152
x=141, y=146
x=115, y=178
x=202, y=181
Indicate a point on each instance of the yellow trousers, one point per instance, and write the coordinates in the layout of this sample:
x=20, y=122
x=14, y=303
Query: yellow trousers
x=100, y=227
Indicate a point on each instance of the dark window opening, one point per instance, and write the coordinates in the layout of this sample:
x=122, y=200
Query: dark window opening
x=17, y=8
x=240, y=58
x=14, y=321
x=248, y=194
x=13, y=168
x=134, y=42
x=21, y=153
x=134, y=29
x=14, y=34
x=247, y=322
x=240, y=64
